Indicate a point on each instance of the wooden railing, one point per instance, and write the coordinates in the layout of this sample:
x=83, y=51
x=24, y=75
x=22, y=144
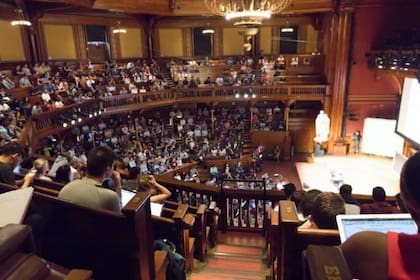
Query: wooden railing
x=241, y=208
x=47, y=123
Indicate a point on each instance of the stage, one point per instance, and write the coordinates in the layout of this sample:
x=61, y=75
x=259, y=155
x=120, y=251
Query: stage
x=362, y=172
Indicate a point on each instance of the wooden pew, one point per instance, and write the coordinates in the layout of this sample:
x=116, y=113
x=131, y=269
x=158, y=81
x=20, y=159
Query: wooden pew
x=325, y=262
x=213, y=222
x=175, y=225
x=18, y=259
x=161, y=264
x=292, y=241
x=200, y=228
x=112, y=245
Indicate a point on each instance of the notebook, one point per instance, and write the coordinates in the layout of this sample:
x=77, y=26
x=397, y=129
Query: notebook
x=126, y=196
x=351, y=224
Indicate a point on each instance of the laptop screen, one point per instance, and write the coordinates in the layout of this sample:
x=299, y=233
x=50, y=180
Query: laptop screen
x=351, y=224
x=126, y=196
x=156, y=208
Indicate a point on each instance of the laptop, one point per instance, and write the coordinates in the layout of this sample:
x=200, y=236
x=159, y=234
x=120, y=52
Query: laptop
x=126, y=196
x=156, y=208
x=351, y=224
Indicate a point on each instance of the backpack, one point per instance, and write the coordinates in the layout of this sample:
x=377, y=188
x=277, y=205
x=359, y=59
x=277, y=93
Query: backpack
x=176, y=266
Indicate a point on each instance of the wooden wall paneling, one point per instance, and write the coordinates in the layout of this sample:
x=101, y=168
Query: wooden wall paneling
x=114, y=41
x=90, y=20
x=303, y=133
x=60, y=41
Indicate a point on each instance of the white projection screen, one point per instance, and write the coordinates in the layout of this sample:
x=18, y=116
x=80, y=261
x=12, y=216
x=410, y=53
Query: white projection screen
x=408, y=125
x=379, y=138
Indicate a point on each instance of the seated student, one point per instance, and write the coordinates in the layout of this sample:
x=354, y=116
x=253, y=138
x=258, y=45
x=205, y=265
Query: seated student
x=11, y=155
x=89, y=191
x=352, y=205
x=158, y=193
x=379, y=205
x=62, y=174
x=41, y=168
x=326, y=207
x=375, y=255
x=289, y=189
x=305, y=205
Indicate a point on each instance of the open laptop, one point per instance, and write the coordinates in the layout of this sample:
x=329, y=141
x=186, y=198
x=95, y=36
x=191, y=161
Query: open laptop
x=126, y=196
x=351, y=224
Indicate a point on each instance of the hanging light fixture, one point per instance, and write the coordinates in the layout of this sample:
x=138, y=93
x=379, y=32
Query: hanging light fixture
x=119, y=29
x=208, y=31
x=246, y=12
x=20, y=19
x=287, y=28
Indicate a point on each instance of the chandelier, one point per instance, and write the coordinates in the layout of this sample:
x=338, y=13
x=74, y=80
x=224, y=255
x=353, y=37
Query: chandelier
x=20, y=19
x=246, y=12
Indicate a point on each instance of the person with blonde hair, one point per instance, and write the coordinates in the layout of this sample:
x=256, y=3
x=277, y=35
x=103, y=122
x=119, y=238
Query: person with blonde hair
x=147, y=183
x=41, y=168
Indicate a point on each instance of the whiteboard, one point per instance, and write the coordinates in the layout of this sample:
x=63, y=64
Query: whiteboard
x=379, y=138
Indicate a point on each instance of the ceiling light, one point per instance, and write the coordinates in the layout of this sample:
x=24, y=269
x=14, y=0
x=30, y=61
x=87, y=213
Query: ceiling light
x=208, y=31
x=287, y=29
x=20, y=19
x=246, y=12
x=119, y=29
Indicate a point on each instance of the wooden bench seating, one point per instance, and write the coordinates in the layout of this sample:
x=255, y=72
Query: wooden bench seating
x=200, y=229
x=325, y=262
x=112, y=245
x=175, y=225
x=291, y=241
x=19, y=261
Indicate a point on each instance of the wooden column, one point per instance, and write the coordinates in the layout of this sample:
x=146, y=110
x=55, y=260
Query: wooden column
x=80, y=40
x=339, y=46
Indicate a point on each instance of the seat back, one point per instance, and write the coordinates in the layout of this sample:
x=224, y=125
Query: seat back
x=113, y=245
x=293, y=241
x=325, y=262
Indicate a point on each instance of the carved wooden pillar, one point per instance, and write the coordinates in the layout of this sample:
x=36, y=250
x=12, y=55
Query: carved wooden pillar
x=286, y=115
x=149, y=26
x=80, y=39
x=339, y=47
x=38, y=49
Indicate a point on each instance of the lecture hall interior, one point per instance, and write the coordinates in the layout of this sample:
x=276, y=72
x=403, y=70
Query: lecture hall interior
x=185, y=88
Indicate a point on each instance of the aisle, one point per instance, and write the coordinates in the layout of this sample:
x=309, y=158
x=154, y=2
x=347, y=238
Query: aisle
x=238, y=256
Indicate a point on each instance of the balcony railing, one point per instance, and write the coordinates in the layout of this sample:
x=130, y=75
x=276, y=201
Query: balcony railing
x=46, y=123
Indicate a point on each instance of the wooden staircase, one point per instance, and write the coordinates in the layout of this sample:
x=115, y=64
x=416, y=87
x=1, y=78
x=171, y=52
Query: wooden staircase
x=237, y=256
